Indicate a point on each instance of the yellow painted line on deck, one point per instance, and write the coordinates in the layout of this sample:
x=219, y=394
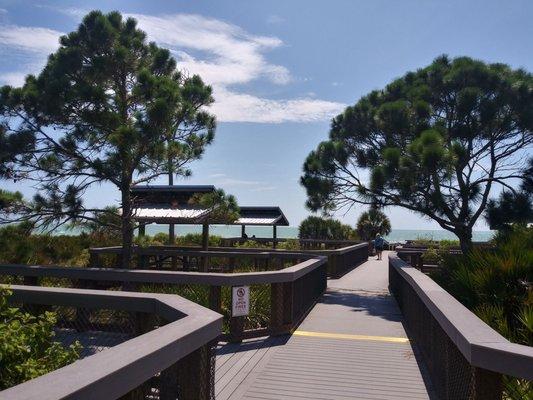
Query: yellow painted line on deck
x=326, y=335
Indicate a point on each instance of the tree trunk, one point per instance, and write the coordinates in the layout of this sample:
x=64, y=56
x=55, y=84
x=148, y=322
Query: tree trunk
x=465, y=239
x=171, y=231
x=127, y=227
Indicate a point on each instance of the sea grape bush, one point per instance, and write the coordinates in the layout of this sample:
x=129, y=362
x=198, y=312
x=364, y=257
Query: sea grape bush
x=27, y=348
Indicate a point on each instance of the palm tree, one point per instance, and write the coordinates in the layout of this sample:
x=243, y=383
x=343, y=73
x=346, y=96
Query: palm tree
x=371, y=223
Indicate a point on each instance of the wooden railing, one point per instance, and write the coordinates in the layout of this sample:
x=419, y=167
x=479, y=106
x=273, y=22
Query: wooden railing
x=230, y=259
x=216, y=259
x=466, y=358
x=169, y=351
x=305, y=244
x=278, y=299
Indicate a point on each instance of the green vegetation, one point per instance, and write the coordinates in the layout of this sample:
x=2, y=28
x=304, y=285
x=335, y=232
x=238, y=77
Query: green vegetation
x=496, y=286
x=190, y=239
x=495, y=283
x=436, y=141
x=259, y=301
x=121, y=114
x=371, y=223
x=223, y=208
x=18, y=245
x=513, y=206
x=325, y=228
x=27, y=348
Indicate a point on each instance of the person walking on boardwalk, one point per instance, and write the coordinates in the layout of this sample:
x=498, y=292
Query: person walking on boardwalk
x=379, y=242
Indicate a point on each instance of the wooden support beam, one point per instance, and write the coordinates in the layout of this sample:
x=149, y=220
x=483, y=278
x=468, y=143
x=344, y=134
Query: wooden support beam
x=205, y=245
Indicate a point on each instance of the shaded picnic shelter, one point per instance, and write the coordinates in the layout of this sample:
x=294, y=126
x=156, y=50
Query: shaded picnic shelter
x=261, y=216
x=171, y=205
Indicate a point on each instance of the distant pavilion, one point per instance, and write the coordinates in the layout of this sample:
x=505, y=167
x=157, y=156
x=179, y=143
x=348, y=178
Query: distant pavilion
x=261, y=216
x=170, y=205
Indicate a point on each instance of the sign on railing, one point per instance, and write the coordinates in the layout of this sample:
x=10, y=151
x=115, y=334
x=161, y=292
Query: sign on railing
x=240, y=301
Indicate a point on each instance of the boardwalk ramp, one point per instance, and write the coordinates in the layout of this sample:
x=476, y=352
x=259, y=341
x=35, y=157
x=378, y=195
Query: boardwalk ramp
x=352, y=345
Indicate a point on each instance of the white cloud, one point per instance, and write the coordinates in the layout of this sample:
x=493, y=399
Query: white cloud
x=13, y=78
x=229, y=56
x=223, y=54
x=30, y=39
x=238, y=107
x=28, y=48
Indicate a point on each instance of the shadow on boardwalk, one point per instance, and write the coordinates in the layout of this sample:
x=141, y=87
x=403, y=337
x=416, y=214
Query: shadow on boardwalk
x=373, y=304
x=352, y=345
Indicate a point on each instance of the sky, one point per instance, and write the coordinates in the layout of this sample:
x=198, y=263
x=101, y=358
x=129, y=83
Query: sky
x=280, y=70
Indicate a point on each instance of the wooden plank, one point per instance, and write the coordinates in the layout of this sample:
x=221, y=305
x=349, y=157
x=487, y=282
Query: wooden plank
x=351, y=354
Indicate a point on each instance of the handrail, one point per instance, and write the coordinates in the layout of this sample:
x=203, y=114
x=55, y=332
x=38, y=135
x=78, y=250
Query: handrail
x=294, y=289
x=170, y=277
x=218, y=251
x=481, y=346
x=112, y=373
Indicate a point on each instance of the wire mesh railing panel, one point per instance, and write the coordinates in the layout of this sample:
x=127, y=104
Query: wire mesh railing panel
x=452, y=375
x=94, y=329
x=87, y=326
x=196, y=293
x=191, y=378
x=260, y=301
x=306, y=291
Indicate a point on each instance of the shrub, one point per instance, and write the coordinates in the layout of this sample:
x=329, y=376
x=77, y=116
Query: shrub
x=27, y=348
x=18, y=245
x=252, y=244
x=325, y=229
x=496, y=285
x=372, y=222
x=195, y=239
x=290, y=244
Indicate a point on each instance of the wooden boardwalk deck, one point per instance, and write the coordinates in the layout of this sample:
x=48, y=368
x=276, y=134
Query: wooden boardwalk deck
x=351, y=346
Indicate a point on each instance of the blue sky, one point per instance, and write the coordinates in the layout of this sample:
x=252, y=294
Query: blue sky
x=280, y=70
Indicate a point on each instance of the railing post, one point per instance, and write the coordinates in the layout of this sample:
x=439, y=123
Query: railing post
x=94, y=259
x=143, y=261
x=215, y=298
x=196, y=376
x=332, y=264
x=288, y=303
x=169, y=383
x=31, y=280
x=276, y=308
x=236, y=329
x=487, y=385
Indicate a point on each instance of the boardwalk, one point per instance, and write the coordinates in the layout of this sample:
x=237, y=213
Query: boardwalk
x=352, y=345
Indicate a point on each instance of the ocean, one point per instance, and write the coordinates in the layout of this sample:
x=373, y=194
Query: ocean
x=291, y=232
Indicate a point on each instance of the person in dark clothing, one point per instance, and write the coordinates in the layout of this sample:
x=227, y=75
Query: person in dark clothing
x=379, y=243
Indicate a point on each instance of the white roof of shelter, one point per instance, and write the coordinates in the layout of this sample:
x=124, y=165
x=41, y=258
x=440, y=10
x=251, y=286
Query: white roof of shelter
x=167, y=214
x=261, y=215
x=256, y=221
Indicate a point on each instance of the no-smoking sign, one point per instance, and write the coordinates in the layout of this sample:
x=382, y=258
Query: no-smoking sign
x=240, y=301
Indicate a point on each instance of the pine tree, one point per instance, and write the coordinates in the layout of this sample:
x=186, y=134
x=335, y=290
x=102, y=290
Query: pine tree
x=107, y=107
